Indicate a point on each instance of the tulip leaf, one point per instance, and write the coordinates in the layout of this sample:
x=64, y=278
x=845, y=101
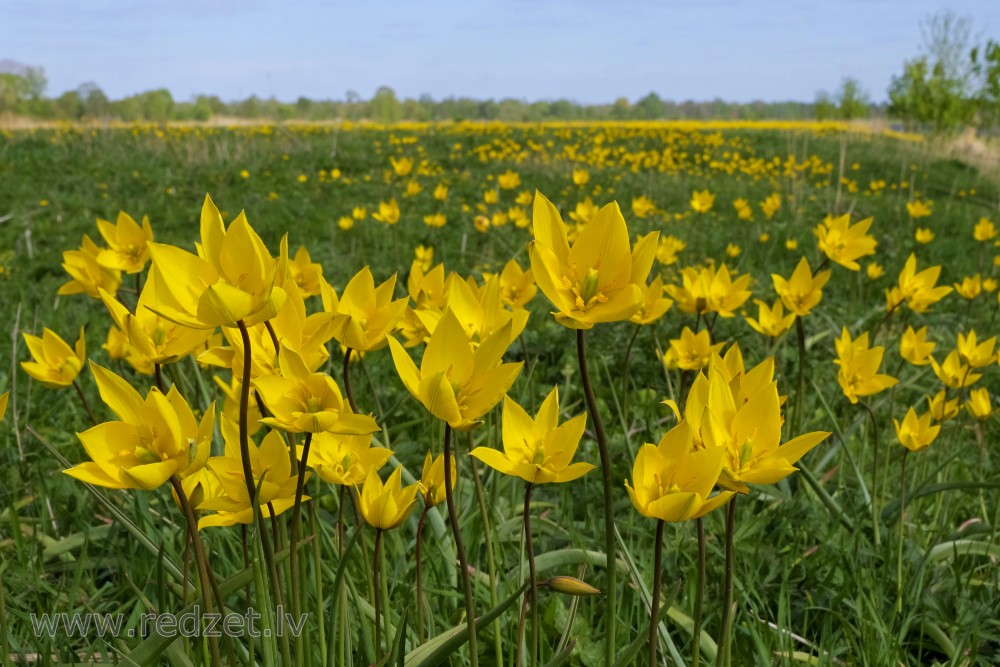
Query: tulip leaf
x=436, y=650
x=563, y=655
x=963, y=548
x=892, y=509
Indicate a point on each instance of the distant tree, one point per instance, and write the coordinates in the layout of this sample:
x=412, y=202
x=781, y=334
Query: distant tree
x=650, y=107
x=95, y=103
x=621, y=109
x=69, y=106
x=852, y=102
x=385, y=107
x=986, y=70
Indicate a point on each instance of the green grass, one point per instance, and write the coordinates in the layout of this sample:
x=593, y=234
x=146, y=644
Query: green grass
x=805, y=584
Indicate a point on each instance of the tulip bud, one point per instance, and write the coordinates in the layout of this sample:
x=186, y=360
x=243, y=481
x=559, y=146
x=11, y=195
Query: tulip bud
x=570, y=586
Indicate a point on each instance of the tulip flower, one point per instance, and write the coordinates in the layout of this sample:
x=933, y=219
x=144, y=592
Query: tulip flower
x=365, y=314
x=984, y=230
x=3, y=404
x=153, y=440
x=454, y=382
x=537, y=450
x=128, y=243
x=517, y=286
x=918, y=209
x=701, y=201
x=301, y=401
x=974, y=353
x=480, y=310
x=954, y=372
x=918, y=290
x=388, y=212
x=653, y=305
x=87, y=274
x=642, y=206
x=915, y=348
x=673, y=481
x=845, y=243
x=771, y=321
x=54, y=363
x=432, y=479
x=598, y=278
x=924, y=235
x=344, y=460
x=233, y=278
x=970, y=287
x=915, y=433
x=709, y=290
x=386, y=506
x=692, y=351
x=858, y=375
x=978, y=404
x=803, y=290
x=272, y=474
x=306, y=273
x=151, y=336
x=402, y=166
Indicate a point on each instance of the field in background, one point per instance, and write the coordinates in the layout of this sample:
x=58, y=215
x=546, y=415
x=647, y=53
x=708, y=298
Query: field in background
x=807, y=588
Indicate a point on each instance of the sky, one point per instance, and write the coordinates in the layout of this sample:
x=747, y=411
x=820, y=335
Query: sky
x=588, y=51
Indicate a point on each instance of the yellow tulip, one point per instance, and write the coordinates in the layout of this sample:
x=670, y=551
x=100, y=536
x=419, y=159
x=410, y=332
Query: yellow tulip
x=955, y=372
x=973, y=352
x=306, y=273
x=3, y=404
x=402, y=166
x=153, y=440
x=232, y=279
x=915, y=348
x=455, y=382
x=859, y=363
x=301, y=401
x=598, y=278
x=386, y=506
x=918, y=289
x=771, y=321
x=537, y=450
x=151, y=336
x=508, y=180
x=365, y=314
x=272, y=474
x=653, y=305
x=978, y=404
x=942, y=409
x=845, y=243
x=918, y=209
x=984, y=230
x=432, y=479
x=673, y=480
x=702, y=201
x=924, y=235
x=803, y=290
x=915, y=433
x=517, y=286
x=345, y=460
x=54, y=363
x=709, y=290
x=642, y=206
x=128, y=243
x=690, y=352
x=88, y=276
x=388, y=212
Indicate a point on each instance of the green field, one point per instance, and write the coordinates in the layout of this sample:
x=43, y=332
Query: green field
x=822, y=575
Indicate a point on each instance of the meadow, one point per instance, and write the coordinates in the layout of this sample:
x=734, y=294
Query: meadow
x=875, y=544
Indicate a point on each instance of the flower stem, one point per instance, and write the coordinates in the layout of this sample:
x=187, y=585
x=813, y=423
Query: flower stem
x=875, y=471
x=699, y=595
x=725, y=641
x=490, y=560
x=199, y=550
x=532, y=582
x=378, y=629
x=83, y=399
x=463, y=562
x=293, y=555
x=245, y=411
x=654, y=606
x=347, y=381
x=899, y=552
x=420, y=575
x=800, y=334
x=610, y=545
x=159, y=377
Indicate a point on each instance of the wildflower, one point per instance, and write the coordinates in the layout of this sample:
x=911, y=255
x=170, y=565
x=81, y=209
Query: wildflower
x=87, y=275
x=915, y=348
x=701, y=201
x=598, y=278
x=743, y=210
x=386, y=506
x=365, y=314
x=653, y=305
x=970, y=287
x=974, y=353
x=432, y=479
x=53, y=362
x=482, y=223
x=233, y=278
x=424, y=256
x=924, y=235
x=955, y=372
x=582, y=214
x=401, y=166
x=710, y=290
x=642, y=206
x=345, y=222
x=792, y=244
x=517, y=286
x=412, y=188
x=440, y=192
x=874, y=270
x=580, y=176
x=978, y=404
x=918, y=289
x=508, y=180
x=305, y=272
x=388, y=212
x=918, y=209
x=770, y=205
x=843, y=242
x=771, y=321
x=128, y=243
x=537, y=450
x=858, y=375
x=359, y=213
x=344, y=460
x=454, y=382
x=941, y=408
x=691, y=351
x=154, y=438
x=569, y=586
x=803, y=291
x=524, y=198
x=915, y=433
x=3, y=404
x=668, y=248
x=674, y=479
x=733, y=251
x=985, y=230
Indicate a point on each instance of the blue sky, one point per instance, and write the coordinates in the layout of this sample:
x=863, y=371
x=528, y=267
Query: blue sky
x=584, y=50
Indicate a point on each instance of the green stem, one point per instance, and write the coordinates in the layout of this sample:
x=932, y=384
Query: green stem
x=800, y=333
x=628, y=354
x=199, y=550
x=159, y=377
x=532, y=592
x=378, y=629
x=86, y=404
x=347, y=381
x=654, y=606
x=699, y=595
x=245, y=411
x=293, y=555
x=490, y=560
x=420, y=575
x=875, y=470
x=722, y=657
x=463, y=562
x=899, y=551
x=610, y=544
